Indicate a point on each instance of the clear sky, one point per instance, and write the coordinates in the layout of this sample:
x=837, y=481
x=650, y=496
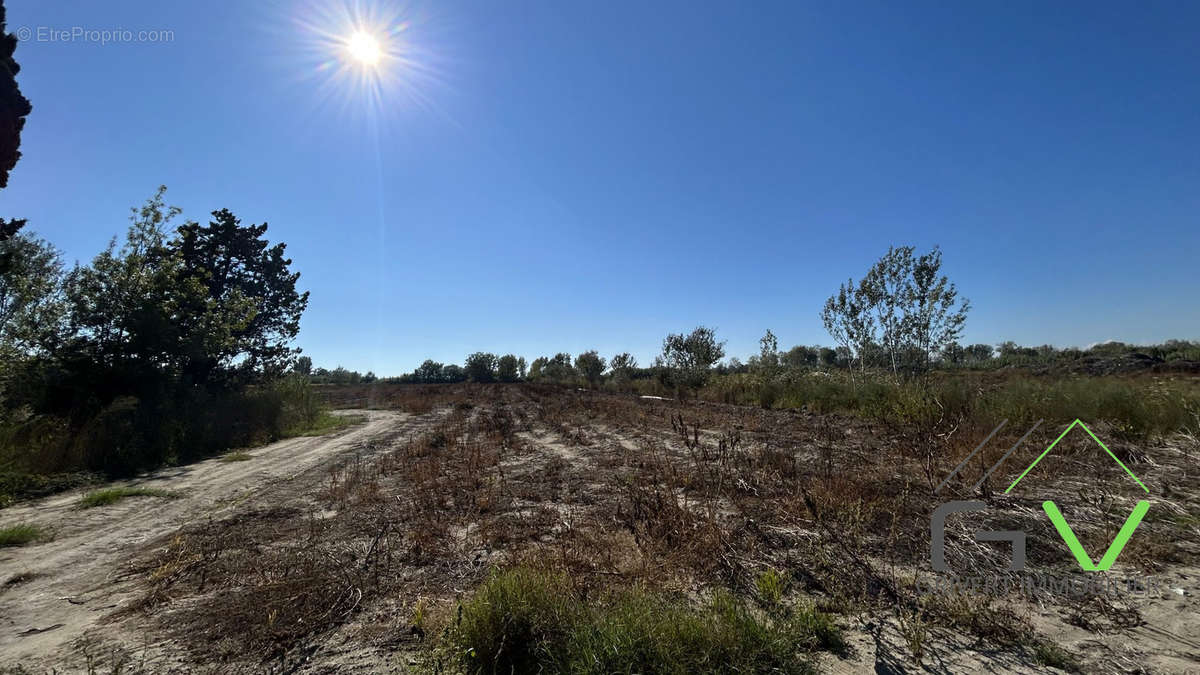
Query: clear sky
x=534, y=177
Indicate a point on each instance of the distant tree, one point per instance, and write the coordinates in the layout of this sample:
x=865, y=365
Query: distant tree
x=369, y=377
x=303, y=366
x=848, y=320
x=953, y=353
x=623, y=365
x=768, y=354
x=828, y=356
x=428, y=372
x=934, y=316
x=31, y=302
x=535, y=368
x=521, y=366
x=559, y=369
x=689, y=358
x=801, y=357
x=591, y=366
x=453, y=373
x=978, y=353
x=508, y=368
x=915, y=308
x=481, y=367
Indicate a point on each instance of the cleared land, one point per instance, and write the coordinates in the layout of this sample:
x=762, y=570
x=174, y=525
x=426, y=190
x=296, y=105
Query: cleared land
x=55, y=593
x=366, y=552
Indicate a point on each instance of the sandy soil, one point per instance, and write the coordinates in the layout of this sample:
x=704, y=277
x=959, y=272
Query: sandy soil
x=76, y=576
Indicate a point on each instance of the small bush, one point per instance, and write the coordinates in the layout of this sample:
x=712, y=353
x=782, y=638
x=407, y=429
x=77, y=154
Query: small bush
x=523, y=620
x=238, y=456
x=1050, y=654
x=19, y=535
x=113, y=495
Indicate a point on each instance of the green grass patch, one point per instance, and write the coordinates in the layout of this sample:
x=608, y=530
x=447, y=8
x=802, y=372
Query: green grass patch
x=523, y=620
x=323, y=423
x=19, y=535
x=1050, y=654
x=113, y=495
x=238, y=456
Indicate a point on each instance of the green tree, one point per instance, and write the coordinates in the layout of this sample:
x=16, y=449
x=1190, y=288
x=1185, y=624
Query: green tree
x=303, y=366
x=801, y=357
x=690, y=358
x=622, y=366
x=31, y=304
x=236, y=266
x=591, y=366
x=14, y=107
x=768, y=354
x=216, y=300
x=558, y=369
x=429, y=372
x=124, y=305
x=848, y=320
x=934, y=316
x=535, y=368
x=903, y=312
x=481, y=367
x=828, y=356
x=508, y=368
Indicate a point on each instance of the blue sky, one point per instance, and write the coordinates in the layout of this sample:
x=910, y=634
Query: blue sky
x=536, y=177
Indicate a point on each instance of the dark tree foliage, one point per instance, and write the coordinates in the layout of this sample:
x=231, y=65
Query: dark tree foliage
x=591, y=366
x=481, y=367
x=233, y=263
x=13, y=109
x=508, y=368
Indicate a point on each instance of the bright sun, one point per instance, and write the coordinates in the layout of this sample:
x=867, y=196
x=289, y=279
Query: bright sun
x=364, y=48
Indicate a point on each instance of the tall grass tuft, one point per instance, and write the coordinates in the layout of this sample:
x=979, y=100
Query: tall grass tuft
x=524, y=620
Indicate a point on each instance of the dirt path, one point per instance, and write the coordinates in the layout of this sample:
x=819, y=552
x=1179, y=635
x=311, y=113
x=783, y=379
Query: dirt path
x=72, y=576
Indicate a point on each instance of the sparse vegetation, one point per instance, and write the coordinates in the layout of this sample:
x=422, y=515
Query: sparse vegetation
x=238, y=456
x=19, y=535
x=522, y=620
x=612, y=518
x=1053, y=656
x=113, y=495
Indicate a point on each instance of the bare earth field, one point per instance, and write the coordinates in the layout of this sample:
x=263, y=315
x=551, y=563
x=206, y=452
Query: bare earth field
x=353, y=552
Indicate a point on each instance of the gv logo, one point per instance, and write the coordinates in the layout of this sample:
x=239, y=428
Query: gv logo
x=937, y=536
x=937, y=525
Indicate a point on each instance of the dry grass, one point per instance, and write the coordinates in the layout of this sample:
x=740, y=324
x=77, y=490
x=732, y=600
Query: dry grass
x=618, y=492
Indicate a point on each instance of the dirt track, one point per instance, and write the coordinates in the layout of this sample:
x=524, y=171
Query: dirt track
x=75, y=583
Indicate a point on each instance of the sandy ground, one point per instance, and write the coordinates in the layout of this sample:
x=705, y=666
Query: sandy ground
x=76, y=576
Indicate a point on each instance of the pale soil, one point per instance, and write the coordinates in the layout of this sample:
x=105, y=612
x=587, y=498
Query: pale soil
x=76, y=577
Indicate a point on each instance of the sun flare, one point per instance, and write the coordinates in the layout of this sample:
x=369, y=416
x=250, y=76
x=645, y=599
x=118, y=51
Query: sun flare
x=364, y=48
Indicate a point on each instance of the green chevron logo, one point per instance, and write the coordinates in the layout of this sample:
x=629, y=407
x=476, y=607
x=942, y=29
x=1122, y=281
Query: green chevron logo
x=1065, y=531
x=937, y=524
x=1114, y=549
